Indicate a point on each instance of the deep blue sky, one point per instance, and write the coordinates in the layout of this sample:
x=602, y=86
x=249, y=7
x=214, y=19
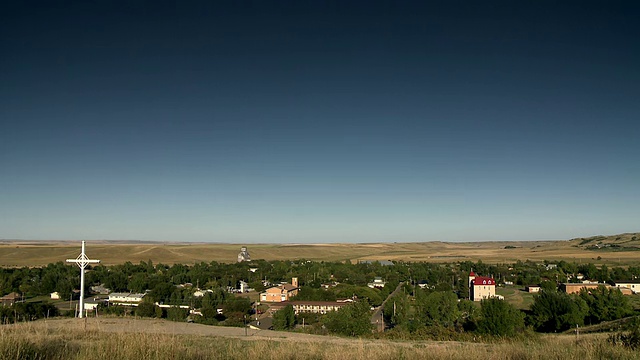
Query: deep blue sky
x=316, y=121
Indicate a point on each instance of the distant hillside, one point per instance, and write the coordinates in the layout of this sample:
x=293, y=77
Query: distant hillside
x=620, y=242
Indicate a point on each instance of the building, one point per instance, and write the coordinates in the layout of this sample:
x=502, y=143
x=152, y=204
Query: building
x=244, y=255
x=100, y=289
x=55, y=295
x=574, y=288
x=377, y=283
x=10, y=299
x=316, y=307
x=532, y=288
x=481, y=287
x=127, y=299
x=381, y=262
x=634, y=286
x=280, y=293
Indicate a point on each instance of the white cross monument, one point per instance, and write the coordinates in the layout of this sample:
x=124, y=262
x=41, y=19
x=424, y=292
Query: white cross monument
x=82, y=260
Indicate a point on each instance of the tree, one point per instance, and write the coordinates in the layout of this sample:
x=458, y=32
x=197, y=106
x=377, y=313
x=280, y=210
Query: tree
x=396, y=310
x=351, y=320
x=284, y=319
x=499, y=318
x=175, y=313
x=556, y=311
x=439, y=308
x=146, y=309
x=605, y=304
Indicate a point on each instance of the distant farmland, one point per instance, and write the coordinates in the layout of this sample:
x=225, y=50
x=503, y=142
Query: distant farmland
x=615, y=250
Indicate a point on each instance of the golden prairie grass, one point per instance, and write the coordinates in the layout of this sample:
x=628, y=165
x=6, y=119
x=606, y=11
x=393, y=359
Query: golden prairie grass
x=35, y=253
x=35, y=342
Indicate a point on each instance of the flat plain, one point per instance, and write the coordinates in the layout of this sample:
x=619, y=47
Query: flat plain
x=622, y=249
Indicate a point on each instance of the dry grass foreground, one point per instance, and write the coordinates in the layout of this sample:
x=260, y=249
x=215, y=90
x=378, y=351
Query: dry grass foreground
x=122, y=338
x=40, y=253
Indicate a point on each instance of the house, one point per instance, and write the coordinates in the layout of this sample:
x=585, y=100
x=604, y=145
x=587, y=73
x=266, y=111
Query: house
x=574, y=288
x=55, y=295
x=280, y=293
x=634, y=286
x=93, y=304
x=377, y=283
x=100, y=289
x=381, y=262
x=551, y=266
x=317, y=307
x=244, y=286
x=329, y=285
x=10, y=299
x=201, y=293
x=532, y=288
x=481, y=287
x=127, y=299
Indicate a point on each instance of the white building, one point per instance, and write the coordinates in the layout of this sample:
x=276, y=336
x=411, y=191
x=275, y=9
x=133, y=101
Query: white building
x=377, y=283
x=129, y=299
x=631, y=285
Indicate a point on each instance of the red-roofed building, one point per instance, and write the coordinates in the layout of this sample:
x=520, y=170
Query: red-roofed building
x=481, y=287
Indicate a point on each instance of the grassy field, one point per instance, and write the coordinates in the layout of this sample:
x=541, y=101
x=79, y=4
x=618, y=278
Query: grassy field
x=516, y=296
x=35, y=253
x=40, y=340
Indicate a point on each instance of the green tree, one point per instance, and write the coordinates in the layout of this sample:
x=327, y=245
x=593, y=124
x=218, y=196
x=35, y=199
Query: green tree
x=146, y=309
x=499, y=318
x=396, y=310
x=553, y=311
x=175, y=313
x=605, y=304
x=284, y=319
x=439, y=308
x=351, y=320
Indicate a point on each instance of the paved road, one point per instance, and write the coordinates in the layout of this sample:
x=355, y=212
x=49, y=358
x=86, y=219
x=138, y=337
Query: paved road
x=377, y=319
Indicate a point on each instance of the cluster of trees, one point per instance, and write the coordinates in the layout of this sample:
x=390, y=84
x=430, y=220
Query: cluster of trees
x=431, y=310
x=413, y=310
x=554, y=311
x=26, y=312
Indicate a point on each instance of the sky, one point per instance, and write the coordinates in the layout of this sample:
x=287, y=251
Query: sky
x=319, y=121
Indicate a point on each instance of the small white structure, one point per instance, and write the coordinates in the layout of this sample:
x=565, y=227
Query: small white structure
x=377, y=283
x=127, y=299
x=244, y=286
x=55, y=295
x=91, y=305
